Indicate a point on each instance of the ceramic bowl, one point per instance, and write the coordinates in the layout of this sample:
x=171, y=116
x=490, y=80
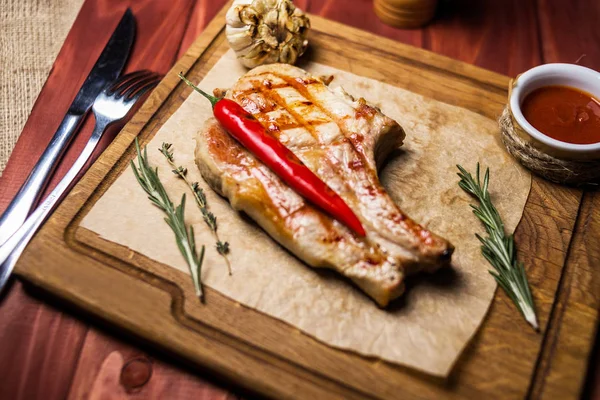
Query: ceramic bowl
x=575, y=76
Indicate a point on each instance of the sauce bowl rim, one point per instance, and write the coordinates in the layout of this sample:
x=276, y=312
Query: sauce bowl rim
x=551, y=70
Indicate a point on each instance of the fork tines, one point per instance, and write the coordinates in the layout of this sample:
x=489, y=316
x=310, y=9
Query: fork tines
x=134, y=84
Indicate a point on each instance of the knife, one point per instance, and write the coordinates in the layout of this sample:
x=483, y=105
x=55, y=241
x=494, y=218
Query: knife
x=105, y=71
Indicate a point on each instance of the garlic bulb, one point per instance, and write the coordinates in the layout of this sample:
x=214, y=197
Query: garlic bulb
x=266, y=31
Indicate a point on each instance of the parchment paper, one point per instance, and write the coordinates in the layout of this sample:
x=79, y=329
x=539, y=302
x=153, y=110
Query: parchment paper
x=432, y=323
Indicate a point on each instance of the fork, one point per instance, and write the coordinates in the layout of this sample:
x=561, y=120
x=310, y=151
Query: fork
x=111, y=106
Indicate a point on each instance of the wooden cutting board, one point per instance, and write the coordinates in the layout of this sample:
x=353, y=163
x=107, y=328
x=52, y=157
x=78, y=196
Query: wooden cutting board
x=147, y=299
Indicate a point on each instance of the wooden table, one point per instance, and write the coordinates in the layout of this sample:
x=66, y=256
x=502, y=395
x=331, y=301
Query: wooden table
x=48, y=351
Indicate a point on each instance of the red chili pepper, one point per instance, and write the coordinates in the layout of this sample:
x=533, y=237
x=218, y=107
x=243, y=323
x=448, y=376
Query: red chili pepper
x=251, y=134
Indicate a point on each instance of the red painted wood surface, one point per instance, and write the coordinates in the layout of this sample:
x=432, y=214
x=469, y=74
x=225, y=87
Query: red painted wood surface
x=45, y=351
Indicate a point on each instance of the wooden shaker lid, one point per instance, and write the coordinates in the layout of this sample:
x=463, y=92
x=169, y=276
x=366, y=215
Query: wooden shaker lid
x=405, y=13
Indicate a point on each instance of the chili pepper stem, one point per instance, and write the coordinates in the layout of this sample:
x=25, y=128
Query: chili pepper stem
x=213, y=100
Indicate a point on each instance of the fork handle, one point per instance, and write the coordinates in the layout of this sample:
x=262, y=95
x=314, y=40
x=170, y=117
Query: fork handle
x=28, y=194
x=11, y=250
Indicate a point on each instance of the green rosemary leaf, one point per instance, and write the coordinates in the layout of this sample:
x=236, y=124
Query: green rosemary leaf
x=149, y=181
x=200, y=196
x=223, y=247
x=180, y=171
x=209, y=218
x=165, y=149
x=199, y=264
x=498, y=248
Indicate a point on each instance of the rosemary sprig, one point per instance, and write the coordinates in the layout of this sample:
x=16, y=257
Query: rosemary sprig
x=498, y=248
x=148, y=179
x=207, y=215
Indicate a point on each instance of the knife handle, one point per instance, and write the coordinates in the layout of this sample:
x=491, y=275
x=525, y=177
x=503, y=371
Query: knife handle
x=30, y=191
x=11, y=250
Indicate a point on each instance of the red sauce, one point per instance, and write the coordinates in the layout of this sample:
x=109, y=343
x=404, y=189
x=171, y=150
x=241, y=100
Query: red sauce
x=564, y=114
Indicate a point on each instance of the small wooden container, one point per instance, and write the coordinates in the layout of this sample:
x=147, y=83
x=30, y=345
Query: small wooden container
x=405, y=13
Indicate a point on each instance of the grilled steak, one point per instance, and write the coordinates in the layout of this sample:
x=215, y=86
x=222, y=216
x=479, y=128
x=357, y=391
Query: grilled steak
x=341, y=140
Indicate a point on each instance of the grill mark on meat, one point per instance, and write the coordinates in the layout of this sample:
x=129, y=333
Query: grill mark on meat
x=290, y=213
x=252, y=106
x=300, y=85
x=228, y=150
x=221, y=146
x=285, y=208
x=377, y=263
x=272, y=102
x=356, y=141
x=275, y=97
x=269, y=93
x=375, y=190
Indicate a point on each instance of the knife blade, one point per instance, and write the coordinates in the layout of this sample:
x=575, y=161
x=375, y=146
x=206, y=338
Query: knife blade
x=106, y=70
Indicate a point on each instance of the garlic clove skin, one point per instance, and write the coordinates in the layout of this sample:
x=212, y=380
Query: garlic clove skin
x=240, y=39
x=266, y=31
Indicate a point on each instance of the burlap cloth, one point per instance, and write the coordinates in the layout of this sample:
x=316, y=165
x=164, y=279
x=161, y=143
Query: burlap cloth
x=32, y=33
